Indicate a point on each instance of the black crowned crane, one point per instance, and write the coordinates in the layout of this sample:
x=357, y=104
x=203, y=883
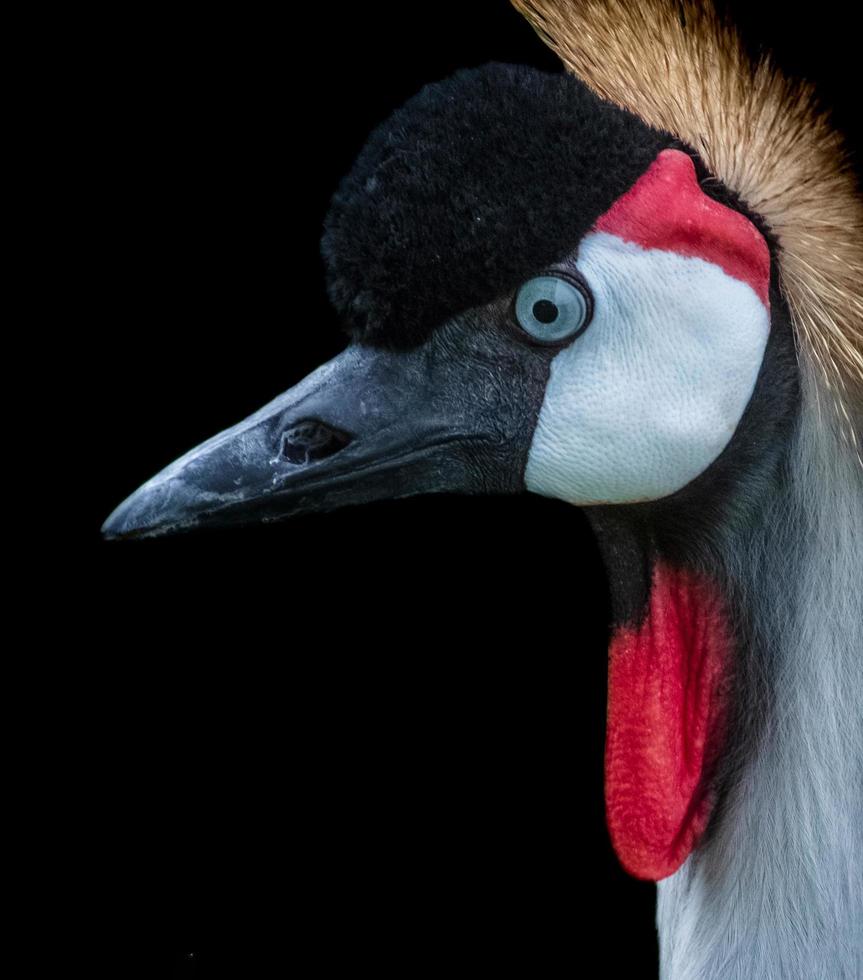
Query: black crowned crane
x=633, y=286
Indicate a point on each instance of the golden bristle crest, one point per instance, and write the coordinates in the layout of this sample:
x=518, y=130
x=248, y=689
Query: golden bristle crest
x=682, y=68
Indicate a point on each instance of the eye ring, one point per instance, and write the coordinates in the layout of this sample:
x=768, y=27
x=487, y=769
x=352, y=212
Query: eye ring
x=553, y=308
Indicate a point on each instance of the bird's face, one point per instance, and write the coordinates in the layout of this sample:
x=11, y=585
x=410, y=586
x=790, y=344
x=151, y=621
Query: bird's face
x=541, y=297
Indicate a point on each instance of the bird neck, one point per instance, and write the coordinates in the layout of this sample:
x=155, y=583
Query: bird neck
x=774, y=886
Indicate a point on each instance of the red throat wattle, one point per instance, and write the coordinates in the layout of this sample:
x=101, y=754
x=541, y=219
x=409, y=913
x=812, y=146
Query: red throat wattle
x=668, y=695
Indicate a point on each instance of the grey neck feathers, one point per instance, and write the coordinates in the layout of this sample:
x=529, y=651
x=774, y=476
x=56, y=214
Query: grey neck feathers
x=775, y=890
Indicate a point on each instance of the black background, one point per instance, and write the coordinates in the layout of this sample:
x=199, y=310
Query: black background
x=370, y=739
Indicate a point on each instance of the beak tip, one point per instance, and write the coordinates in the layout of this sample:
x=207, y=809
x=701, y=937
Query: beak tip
x=126, y=530
x=139, y=516
x=121, y=523
x=112, y=528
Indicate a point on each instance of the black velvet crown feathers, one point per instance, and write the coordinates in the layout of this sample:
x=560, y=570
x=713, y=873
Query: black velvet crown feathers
x=476, y=183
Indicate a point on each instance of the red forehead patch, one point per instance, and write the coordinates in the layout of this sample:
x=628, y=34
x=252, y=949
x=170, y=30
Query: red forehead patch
x=667, y=209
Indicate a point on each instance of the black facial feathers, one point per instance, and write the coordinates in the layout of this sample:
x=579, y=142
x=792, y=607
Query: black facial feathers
x=475, y=184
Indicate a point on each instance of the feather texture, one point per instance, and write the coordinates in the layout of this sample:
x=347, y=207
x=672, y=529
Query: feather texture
x=681, y=67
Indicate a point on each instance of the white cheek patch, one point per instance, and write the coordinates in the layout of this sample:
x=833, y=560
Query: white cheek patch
x=647, y=398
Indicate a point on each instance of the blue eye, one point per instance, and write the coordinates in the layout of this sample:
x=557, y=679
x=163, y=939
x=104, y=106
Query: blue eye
x=551, y=308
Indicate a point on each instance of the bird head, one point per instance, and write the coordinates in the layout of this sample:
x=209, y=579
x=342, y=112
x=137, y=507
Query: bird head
x=540, y=297
x=545, y=294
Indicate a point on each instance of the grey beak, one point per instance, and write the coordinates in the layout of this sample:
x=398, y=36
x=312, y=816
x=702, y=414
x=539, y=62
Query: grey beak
x=370, y=424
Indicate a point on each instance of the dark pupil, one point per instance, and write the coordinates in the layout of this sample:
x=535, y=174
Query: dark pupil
x=545, y=311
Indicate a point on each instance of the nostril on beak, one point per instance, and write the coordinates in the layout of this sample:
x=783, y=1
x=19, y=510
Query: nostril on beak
x=310, y=440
